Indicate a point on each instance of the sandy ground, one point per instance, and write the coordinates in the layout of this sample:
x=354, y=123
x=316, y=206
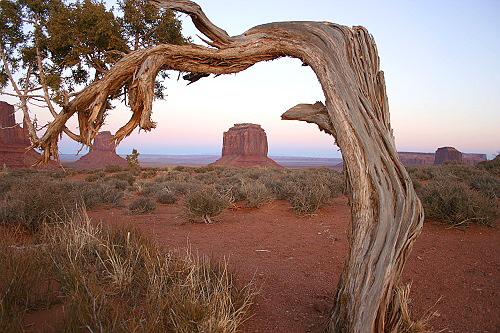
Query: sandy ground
x=296, y=262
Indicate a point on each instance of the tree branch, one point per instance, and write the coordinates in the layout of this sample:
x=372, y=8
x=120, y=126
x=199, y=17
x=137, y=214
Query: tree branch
x=312, y=113
x=218, y=36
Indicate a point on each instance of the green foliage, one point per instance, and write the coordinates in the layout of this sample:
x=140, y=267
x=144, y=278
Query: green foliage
x=492, y=166
x=207, y=202
x=112, y=168
x=166, y=196
x=62, y=45
x=255, y=193
x=133, y=160
x=142, y=205
x=307, y=198
x=35, y=200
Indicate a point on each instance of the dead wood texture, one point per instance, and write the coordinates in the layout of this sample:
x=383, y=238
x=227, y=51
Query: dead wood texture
x=386, y=214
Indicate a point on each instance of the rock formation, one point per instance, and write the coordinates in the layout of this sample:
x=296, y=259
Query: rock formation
x=245, y=145
x=473, y=158
x=14, y=142
x=414, y=158
x=447, y=154
x=101, y=154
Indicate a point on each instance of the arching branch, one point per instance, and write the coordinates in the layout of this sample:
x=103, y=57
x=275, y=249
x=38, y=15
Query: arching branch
x=386, y=213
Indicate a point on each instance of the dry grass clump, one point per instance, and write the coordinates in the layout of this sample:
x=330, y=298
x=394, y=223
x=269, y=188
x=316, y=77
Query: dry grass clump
x=398, y=315
x=117, y=281
x=206, y=202
x=24, y=283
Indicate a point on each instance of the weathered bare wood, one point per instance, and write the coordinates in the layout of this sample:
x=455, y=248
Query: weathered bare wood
x=312, y=113
x=218, y=36
x=386, y=213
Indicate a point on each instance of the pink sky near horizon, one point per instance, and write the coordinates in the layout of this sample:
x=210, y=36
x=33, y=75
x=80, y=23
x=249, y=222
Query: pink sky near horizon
x=442, y=81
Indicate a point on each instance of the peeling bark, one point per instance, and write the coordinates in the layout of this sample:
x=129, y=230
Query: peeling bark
x=386, y=213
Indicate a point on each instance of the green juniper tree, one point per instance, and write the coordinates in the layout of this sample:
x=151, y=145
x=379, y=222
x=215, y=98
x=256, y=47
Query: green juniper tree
x=49, y=49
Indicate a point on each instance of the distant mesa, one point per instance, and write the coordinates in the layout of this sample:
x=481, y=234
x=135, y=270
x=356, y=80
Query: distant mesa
x=14, y=141
x=245, y=145
x=447, y=154
x=442, y=155
x=101, y=154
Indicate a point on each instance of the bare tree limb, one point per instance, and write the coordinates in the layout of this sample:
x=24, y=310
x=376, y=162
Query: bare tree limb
x=386, y=213
x=312, y=113
x=218, y=36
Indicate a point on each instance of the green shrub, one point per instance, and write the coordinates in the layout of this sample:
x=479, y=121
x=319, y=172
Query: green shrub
x=492, y=166
x=118, y=184
x=36, y=200
x=99, y=194
x=142, y=205
x=255, y=193
x=179, y=187
x=455, y=203
x=126, y=176
x=112, y=168
x=95, y=176
x=206, y=202
x=166, y=196
x=150, y=188
x=149, y=173
x=307, y=197
x=486, y=184
x=230, y=185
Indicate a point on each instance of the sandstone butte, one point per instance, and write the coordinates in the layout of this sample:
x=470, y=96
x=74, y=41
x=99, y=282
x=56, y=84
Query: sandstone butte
x=245, y=145
x=101, y=154
x=14, y=141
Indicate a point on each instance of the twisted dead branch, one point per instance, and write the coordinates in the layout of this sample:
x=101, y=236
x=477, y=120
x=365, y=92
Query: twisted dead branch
x=386, y=213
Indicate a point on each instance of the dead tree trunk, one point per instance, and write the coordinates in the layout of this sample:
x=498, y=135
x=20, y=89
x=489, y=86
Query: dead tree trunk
x=386, y=214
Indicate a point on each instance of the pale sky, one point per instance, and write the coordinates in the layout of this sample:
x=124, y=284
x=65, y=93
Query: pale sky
x=440, y=59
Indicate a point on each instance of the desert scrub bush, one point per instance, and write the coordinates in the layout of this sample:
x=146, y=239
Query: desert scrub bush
x=173, y=176
x=126, y=176
x=117, y=280
x=230, y=185
x=148, y=173
x=455, y=203
x=492, y=166
x=98, y=194
x=485, y=183
x=206, y=202
x=95, y=176
x=207, y=177
x=182, y=168
x=142, y=205
x=37, y=199
x=307, y=197
x=112, y=168
x=166, y=196
x=255, y=193
x=150, y=188
x=420, y=172
x=180, y=187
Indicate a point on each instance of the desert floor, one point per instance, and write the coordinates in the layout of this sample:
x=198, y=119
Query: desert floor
x=296, y=262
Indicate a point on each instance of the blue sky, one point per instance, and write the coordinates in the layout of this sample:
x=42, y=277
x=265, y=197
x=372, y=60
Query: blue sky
x=441, y=63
